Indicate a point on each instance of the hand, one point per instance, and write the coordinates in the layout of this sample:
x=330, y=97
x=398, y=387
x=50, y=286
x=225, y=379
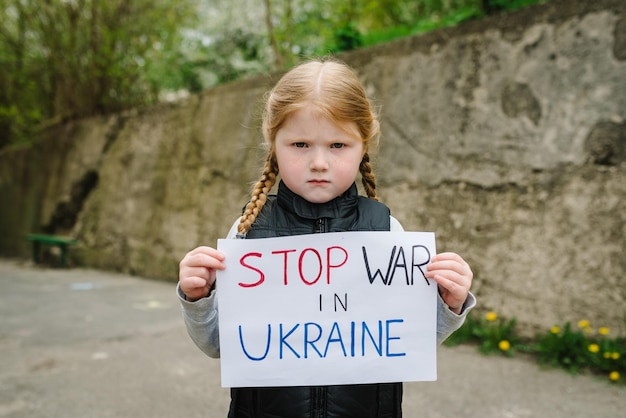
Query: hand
x=454, y=278
x=197, y=270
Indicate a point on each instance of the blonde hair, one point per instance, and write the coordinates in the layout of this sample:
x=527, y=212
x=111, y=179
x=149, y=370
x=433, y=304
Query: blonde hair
x=336, y=92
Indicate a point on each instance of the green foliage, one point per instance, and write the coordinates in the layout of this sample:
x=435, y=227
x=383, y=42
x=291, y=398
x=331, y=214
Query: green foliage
x=347, y=37
x=491, y=333
x=574, y=350
x=421, y=26
x=203, y=61
x=497, y=5
x=565, y=349
x=429, y=15
x=62, y=59
x=18, y=119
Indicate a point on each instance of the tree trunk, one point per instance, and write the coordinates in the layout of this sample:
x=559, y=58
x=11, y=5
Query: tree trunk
x=278, y=58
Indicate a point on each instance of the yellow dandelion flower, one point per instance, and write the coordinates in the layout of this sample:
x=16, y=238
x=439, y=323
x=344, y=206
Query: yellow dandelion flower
x=615, y=355
x=583, y=323
x=504, y=345
x=555, y=329
x=594, y=348
x=603, y=331
x=614, y=376
x=491, y=316
x=607, y=354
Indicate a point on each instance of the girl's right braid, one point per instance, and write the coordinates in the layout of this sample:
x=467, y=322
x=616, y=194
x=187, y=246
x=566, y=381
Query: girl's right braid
x=367, y=177
x=259, y=194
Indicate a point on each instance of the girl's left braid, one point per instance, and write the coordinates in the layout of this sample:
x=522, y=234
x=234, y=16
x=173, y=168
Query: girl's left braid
x=367, y=177
x=259, y=194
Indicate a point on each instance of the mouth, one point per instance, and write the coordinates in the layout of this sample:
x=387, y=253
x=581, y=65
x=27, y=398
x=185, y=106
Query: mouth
x=318, y=181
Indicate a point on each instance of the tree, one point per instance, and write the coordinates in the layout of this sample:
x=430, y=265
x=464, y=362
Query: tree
x=63, y=59
x=278, y=54
x=72, y=58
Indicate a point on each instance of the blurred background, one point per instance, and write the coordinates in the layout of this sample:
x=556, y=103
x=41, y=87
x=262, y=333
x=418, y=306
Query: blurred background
x=67, y=59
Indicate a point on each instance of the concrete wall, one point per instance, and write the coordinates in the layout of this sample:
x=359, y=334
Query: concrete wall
x=506, y=136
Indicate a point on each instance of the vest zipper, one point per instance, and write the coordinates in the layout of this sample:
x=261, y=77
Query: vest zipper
x=320, y=225
x=319, y=393
x=319, y=402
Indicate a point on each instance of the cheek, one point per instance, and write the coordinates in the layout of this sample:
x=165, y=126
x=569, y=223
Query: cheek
x=356, y=160
x=282, y=158
x=348, y=170
x=288, y=164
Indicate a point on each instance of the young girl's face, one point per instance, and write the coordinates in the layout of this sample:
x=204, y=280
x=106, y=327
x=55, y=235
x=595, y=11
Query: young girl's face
x=318, y=159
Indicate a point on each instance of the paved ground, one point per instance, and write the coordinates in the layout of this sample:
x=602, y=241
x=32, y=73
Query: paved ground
x=84, y=343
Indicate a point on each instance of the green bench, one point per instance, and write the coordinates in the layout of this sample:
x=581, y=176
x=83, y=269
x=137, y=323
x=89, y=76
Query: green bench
x=62, y=242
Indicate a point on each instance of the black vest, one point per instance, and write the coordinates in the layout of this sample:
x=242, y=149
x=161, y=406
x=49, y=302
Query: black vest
x=288, y=214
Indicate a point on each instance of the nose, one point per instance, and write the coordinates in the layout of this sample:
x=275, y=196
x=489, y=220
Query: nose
x=319, y=160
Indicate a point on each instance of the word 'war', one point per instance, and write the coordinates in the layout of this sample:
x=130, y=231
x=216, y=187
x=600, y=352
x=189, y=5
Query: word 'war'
x=310, y=265
x=420, y=256
x=310, y=339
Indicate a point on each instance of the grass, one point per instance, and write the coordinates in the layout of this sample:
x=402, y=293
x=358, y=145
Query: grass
x=421, y=26
x=574, y=348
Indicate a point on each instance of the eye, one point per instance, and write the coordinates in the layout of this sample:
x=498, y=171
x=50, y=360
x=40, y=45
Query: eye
x=299, y=144
x=337, y=145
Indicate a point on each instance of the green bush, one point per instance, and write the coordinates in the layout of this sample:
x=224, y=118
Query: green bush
x=575, y=349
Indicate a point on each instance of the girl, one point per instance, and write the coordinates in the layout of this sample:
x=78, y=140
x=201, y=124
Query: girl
x=319, y=126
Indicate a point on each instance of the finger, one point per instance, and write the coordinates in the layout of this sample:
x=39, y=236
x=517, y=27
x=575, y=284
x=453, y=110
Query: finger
x=452, y=259
x=452, y=277
x=208, y=251
x=447, y=267
x=449, y=261
x=192, y=282
x=201, y=259
x=189, y=271
x=448, y=284
x=448, y=256
x=193, y=295
x=450, y=269
x=454, y=293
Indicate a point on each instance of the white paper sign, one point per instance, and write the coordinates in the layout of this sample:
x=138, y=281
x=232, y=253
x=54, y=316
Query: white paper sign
x=325, y=309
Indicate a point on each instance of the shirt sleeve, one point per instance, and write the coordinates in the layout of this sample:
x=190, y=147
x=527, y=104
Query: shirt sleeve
x=202, y=322
x=202, y=316
x=395, y=225
x=447, y=320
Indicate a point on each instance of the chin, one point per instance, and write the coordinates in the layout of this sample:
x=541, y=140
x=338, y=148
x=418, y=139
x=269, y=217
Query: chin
x=318, y=199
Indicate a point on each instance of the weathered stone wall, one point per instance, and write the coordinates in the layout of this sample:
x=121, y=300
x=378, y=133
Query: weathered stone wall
x=506, y=136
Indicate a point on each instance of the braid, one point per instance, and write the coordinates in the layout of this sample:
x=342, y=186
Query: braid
x=259, y=194
x=367, y=177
